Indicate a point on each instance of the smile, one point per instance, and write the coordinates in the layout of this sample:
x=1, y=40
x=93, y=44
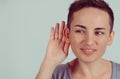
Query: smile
x=88, y=51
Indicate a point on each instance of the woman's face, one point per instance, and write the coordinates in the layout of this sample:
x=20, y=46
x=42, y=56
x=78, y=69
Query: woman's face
x=90, y=34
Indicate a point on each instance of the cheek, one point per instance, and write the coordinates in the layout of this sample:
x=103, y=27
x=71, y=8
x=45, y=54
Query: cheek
x=75, y=39
x=103, y=40
x=102, y=44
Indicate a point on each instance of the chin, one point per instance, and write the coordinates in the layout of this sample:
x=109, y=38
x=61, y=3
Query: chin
x=88, y=59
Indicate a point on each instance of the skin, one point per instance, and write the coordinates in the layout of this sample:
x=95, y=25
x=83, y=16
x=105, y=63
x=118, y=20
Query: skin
x=89, y=39
x=56, y=52
x=89, y=35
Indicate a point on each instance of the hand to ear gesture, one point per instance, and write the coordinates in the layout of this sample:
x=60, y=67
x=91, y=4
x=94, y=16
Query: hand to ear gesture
x=56, y=52
x=57, y=49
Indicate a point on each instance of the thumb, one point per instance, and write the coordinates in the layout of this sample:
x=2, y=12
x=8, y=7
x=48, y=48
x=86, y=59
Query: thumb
x=66, y=47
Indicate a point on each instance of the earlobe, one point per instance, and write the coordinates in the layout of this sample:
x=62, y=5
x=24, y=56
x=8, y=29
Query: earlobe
x=111, y=38
x=67, y=34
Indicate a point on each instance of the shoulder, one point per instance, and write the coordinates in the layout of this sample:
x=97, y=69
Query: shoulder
x=116, y=66
x=61, y=69
x=61, y=72
x=116, y=70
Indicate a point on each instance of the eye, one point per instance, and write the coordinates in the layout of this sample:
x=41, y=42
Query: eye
x=99, y=33
x=80, y=31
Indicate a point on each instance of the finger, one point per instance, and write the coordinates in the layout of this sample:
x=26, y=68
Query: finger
x=64, y=30
x=62, y=42
x=61, y=30
x=52, y=34
x=56, y=31
x=66, y=47
x=67, y=44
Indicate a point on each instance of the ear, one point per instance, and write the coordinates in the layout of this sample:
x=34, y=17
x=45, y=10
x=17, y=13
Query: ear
x=67, y=34
x=111, y=38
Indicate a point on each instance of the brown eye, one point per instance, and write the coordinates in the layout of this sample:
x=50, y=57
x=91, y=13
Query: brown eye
x=80, y=31
x=99, y=33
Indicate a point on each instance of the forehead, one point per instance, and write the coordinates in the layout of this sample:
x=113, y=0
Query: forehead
x=91, y=17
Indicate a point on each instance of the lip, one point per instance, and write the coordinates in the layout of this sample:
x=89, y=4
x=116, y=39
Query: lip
x=88, y=51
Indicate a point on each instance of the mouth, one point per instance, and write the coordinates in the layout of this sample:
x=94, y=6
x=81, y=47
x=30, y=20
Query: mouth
x=88, y=51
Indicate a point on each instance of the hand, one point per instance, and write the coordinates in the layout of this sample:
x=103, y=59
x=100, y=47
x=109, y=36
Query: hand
x=57, y=49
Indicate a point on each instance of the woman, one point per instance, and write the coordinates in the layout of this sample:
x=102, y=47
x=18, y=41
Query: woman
x=89, y=31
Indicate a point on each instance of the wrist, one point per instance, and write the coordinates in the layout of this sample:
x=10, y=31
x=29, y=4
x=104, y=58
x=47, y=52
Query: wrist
x=46, y=68
x=50, y=63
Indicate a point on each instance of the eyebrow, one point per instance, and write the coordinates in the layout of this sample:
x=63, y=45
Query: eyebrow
x=82, y=26
x=99, y=28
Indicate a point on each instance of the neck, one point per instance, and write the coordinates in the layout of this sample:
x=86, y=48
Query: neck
x=90, y=69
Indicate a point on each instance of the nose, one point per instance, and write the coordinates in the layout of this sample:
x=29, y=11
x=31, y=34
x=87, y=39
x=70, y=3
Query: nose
x=89, y=39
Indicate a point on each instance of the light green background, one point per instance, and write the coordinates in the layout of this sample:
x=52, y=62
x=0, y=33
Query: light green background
x=24, y=32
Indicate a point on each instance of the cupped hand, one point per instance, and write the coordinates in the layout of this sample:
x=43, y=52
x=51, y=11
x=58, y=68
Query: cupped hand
x=57, y=49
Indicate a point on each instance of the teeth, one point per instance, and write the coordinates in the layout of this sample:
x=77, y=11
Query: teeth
x=88, y=50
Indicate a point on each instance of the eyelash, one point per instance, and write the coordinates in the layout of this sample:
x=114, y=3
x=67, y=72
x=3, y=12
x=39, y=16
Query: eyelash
x=99, y=33
x=96, y=33
x=80, y=31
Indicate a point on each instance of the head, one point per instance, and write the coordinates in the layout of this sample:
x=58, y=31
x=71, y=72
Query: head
x=90, y=24
x=99, y=4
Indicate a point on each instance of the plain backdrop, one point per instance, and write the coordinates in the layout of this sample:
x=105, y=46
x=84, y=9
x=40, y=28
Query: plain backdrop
x=24, y=33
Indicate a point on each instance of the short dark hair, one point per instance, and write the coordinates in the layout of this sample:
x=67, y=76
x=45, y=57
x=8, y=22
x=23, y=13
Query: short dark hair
x=80, y=4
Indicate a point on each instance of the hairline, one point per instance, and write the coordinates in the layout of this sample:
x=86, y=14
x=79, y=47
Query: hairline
x=110, y=20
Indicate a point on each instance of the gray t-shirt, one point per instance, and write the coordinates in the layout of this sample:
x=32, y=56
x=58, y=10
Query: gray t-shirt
x=63, y=71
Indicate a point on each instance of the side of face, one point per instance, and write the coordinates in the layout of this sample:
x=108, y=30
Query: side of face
x=89, y=34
